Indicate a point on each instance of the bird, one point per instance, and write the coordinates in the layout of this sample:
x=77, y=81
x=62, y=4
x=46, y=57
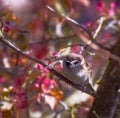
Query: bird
x=76, y=69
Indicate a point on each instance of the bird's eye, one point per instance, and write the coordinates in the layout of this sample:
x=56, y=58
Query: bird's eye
x=68, y=63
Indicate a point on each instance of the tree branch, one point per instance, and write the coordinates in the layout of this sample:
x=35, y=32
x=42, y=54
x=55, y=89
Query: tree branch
x=85, y=35
x=104, y=54
x=89, y=90
x=108, y=93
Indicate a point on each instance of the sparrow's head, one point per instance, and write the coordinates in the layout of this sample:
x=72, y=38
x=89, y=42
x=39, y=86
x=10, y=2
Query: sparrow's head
x=72, y=61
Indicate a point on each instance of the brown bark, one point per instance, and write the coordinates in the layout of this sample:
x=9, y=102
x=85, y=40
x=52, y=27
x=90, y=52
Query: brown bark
x=108, y=93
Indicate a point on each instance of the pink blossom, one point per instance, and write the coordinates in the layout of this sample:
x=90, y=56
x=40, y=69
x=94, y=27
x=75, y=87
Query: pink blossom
x=39, y=66
x=2, y=80
x=6, y=28
x=54, y=54
x=112, y=5
x=39, y=78
x=36, y=85
x=100, y=6
x=18, y=81
x=20, y=100
x=47, y=85
x=111, y=10
x=41, y=51
x=89, y=24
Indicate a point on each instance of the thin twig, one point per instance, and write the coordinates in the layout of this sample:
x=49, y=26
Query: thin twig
x=101, y=21
x=55, y=40
x=71, y=20
x=88, y=40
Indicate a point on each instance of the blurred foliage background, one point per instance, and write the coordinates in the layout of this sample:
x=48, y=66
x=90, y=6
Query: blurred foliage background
x=29, y=90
